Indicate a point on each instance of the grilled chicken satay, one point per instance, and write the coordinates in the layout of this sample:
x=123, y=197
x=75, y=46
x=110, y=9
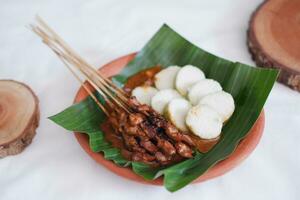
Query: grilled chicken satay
x=149, y=137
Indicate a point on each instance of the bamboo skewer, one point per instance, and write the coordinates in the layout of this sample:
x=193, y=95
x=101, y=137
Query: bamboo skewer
x=66, y=59
x=107, y=83
x=72, y=52
x=110, y=92
x=84, y=86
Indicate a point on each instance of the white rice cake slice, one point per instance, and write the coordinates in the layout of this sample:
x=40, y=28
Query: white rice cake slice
x=144, y=94
x=204, y=122
x=222, y=102
x=176, y=112
x=203, y=88
x=165, y=79
x=161, y=99
x=186, y=77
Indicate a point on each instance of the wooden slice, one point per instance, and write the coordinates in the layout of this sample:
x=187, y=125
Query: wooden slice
x=19, y=117
x=274, y=39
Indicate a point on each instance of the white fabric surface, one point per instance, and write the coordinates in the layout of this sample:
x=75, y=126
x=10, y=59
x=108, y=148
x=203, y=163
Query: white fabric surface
x=55, y=167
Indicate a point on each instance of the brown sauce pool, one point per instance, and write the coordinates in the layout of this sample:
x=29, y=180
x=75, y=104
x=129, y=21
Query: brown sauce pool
x=146, y=77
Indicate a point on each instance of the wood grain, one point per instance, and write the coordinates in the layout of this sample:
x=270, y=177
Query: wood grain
x=19, y=117
x=274, y=39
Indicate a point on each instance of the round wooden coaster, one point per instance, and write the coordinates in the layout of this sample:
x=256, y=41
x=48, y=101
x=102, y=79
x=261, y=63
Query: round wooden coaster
x=274, y=39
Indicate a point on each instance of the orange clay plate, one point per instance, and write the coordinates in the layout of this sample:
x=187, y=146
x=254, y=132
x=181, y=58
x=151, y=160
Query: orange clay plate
x=243, y=150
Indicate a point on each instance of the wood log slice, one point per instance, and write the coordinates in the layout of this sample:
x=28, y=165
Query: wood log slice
x=19, y=117
x=274, y=39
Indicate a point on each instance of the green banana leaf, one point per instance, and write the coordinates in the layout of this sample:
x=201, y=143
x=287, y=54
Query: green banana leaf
x=249, y=86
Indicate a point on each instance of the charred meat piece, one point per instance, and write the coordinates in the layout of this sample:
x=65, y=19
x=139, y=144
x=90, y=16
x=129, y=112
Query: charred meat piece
x=149, y=129
x=126, y=153
x=161, y=157
x=132, y=130
x=166, y=146
x=138, y=156
x=176, y=135
x=136, y=119
x=132, y=144
x=149, y=146
x=184, y=150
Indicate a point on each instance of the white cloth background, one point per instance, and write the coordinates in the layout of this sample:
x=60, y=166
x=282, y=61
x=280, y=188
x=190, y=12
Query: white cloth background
x=55, y=167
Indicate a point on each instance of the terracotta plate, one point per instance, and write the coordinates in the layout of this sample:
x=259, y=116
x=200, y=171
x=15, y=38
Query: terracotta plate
x=246, y=146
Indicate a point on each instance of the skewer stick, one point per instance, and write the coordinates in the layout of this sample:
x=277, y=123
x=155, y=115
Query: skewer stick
x=57, y=44
x=103, y=91
x=84, y=86
x=62, y=56
x=68, y=49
